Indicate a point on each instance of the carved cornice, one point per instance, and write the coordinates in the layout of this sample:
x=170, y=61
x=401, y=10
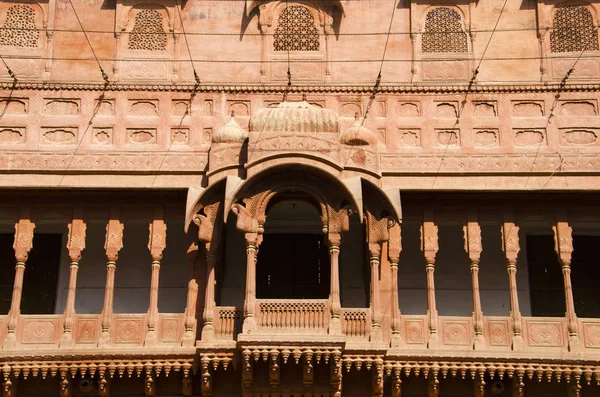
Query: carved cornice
x=280, y=89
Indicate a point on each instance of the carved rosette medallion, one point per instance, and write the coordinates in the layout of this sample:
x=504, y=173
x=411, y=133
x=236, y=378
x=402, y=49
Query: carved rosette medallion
x=456, y=333
x=545, y=334
x=39, y=332
x=592, y=335
x=129, y=331
x=86, y=331
x=415, y=332
x=498, y=331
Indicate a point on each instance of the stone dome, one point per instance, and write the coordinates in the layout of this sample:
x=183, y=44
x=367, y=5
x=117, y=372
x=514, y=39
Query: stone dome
x=230, y=133
x=295, y=117
x=357, y=134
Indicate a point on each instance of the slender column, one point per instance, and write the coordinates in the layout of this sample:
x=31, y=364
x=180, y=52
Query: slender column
x=335, y=327
x=208, y=331
x=510, y=235
x=156, y=245
x=563, y=243
x=192, y=297
x=250, y=301
x=23, y=244
x=112, y=245
x=473, y=248
x=430, y=247
x=394, y=247
x=374, y=261
x=327, y=29
x=75, y=244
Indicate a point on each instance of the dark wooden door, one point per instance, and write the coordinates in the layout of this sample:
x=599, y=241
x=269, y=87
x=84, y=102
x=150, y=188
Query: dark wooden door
x=293, y=266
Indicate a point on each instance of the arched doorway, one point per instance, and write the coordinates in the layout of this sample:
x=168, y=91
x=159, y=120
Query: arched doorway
x=293, y=259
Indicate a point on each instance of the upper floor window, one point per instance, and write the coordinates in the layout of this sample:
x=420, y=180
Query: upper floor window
x=573, y=30
x=296, y=30
x=148, y=33
x=19, y=29
x=444, y=31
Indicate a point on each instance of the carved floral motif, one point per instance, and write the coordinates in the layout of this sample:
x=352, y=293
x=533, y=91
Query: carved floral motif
x=39, y=332
x=456, y=333
x=129, y=331
x=415, y=331
x=592, y=335
x=498, y=331
x=545, y=334
x=87, y=330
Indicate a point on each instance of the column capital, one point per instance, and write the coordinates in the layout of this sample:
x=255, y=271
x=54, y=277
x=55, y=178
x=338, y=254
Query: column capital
x=563, y=242
x=114, y=237
x=157, y=239
x=76, y=237
x=429, y=237
x=23, y=242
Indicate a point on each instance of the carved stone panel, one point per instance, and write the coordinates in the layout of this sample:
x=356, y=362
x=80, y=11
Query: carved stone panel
x=445, y=70
x=498, y=333
x=448, y=137
x=141, y=135
x=528, y=108
x=579, y=136
x=59, y=136
x=13, y=106
x=415, y=331
x=591, y=332
x=240, y=108
x=545, y=334
x=485, y=109
x=102, y=135
x=578, y=108
x=529, y=136
x=144, y=70
x=39, y=331
x=86, y=330
x=446, y=109
x=12, y=135
x=409, y=137
x=180, y=136
x=456, y=333
x=409, y=109
x=62, y=107
x=143, y=107
x=486, y=137
x=129, y=330
x=170, y=330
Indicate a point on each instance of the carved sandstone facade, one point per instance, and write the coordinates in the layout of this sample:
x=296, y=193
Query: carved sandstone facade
x=249, y=209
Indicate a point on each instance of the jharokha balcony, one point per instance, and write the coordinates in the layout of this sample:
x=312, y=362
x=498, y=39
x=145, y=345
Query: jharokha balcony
x=298, y=271
x=118, y=289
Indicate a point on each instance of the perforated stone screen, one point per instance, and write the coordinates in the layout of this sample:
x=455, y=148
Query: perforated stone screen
x=573, y=30
x=19, y=30
x=296, y=31
x=444, y=31
x=148, y=33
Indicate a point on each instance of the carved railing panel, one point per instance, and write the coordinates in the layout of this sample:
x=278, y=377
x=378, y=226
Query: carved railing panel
x=129, y=329
x=591, y=332
x=356, y=323
x=40, y=330
x=305, y=315
x=228, y=323
x=497, y=332
x=456, y=332
x=87, y=329
x=543, y=332
x=416, y=331
x=171, y=328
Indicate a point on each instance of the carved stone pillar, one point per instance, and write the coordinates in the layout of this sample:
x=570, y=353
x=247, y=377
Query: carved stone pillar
x=112, y=245
x=430, y=247
x=208, y=330
x=23, y=244
x=264, y=24
x=473, y=247
x=250, y=300
x=510, y=237
x=247, y=223
x=397, y=382
x=394, y=247
x=157, y=243
x=75, y=244
x=189, y=336
x=563, y=244
x=374, y=261
x=335, y=326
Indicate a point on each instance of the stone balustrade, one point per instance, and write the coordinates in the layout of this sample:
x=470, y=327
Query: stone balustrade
x=306, y=315
x=356, y=323
x=229, y=322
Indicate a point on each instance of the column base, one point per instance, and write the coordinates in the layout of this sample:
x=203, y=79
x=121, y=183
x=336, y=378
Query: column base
x=208, y=332
x=249, y=325
x=335, y=327
x=397, y=341
x=376, y=335
x=151, y=339
x=10, y=342
x=575, y=344
x=479, y=343
x=66, y=340
x=517, y=343
x=104, y=338
x=434, y=340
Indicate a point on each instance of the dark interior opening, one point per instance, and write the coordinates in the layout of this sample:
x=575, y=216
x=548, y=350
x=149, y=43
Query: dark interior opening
x=293, y=259
x=41, y=274
x=546, y=279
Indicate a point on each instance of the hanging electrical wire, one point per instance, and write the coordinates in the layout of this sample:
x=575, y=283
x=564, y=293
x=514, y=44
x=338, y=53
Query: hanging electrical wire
x=104, y=75
x=469, y=88
x=187, y=45
x=8, y=69
x=561, y=87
